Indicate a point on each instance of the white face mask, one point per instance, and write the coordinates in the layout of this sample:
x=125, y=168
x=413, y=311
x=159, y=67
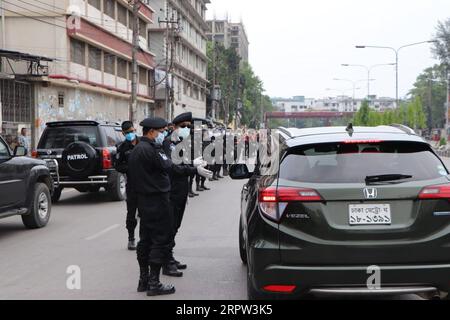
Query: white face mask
x=184, y=133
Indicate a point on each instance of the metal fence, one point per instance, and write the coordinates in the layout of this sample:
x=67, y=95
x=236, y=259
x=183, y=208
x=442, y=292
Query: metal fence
x=16, y=97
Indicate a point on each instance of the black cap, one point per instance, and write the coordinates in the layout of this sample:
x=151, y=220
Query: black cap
x=154, y=123
x=184, y=117
x=127, y=125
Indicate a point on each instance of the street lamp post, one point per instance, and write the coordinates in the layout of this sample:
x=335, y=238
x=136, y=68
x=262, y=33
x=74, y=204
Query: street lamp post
x=396, y=51
x=369, y=70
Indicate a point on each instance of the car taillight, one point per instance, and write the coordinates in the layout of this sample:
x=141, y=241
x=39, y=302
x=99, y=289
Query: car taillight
x=34, y=154
x=107, y=160
x=280, y=289
x=362, y=141
x=273, y=201
x=435, y=192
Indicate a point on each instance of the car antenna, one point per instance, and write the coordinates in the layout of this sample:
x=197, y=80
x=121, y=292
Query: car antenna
x=350, y=129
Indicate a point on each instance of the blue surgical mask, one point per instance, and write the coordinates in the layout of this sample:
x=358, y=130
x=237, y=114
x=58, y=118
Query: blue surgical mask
x=184, y=132
x=159, y=140
x=166, y=134
x=130, y=136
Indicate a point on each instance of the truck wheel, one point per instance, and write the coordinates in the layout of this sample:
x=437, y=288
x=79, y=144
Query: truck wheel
x=40, y=208
x=117, y=187
x=57, y=194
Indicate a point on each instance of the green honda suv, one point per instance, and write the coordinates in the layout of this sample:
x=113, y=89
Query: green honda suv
x=356, y=211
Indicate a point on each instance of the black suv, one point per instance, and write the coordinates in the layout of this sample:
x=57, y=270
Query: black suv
x=25, y=187
x=85, y=152
x=344, y=209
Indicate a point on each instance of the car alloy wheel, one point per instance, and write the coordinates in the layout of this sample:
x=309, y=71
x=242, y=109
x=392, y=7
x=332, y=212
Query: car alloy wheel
x=43, y=206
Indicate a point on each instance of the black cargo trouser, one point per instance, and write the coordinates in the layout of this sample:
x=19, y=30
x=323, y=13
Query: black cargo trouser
x=156, y=229
x=132, y=206
x=178, y=205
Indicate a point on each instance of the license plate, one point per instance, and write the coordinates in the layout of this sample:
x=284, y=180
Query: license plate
x=370, y=214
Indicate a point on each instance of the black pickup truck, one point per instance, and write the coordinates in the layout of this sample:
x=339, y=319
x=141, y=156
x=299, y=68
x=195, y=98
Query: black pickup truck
x=26, y=186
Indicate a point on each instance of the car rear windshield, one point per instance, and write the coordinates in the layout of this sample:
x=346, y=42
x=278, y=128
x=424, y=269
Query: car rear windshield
x=353, y=162
x=61, y=137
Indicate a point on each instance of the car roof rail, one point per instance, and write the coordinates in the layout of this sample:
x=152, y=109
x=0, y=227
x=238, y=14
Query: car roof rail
x=285, y=131
x=71, y=122
x=403, y=128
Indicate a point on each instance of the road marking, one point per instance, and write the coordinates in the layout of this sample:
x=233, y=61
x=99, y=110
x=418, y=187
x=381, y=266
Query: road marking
x=101, y=233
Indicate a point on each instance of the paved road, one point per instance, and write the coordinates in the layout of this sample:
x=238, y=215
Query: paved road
x=88, y=231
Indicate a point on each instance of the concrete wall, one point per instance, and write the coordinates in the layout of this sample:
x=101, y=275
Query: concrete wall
x=81, y=104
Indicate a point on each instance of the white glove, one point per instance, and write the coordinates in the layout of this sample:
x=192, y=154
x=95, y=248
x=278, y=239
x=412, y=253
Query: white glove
x=205, y=173
x=199, y=162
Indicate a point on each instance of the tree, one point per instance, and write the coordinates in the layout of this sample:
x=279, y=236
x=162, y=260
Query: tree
x=442, y=46
x=431, y=88
x=362, y=116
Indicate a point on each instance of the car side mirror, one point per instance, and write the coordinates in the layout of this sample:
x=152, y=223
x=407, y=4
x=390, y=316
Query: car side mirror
x=240, y=172
x=20, y=152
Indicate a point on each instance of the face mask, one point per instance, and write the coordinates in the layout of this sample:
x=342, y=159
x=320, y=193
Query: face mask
x=166, y=134
x=159, y=140
x=184, y=132
x=130, y=136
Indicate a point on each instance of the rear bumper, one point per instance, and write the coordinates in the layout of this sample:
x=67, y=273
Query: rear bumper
x=354, y=279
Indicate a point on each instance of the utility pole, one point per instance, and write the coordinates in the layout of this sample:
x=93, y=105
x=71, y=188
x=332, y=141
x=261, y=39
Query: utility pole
x=134, y=73
x=171, y=25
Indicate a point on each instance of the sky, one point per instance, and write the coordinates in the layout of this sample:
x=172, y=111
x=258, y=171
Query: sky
x=297, y=47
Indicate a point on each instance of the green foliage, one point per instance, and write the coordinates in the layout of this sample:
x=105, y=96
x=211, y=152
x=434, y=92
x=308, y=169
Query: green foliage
x=410, y=114
x=431, y=88
x=237, y=79
x=442, y=46
x=443, y=142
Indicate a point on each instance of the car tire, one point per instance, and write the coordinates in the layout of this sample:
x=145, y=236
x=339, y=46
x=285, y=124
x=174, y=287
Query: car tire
x=56, y=196
x=40, y=208
x=242, y=244
x=117, y=187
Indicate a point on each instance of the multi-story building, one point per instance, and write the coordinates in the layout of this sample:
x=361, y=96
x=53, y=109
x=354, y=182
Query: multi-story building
x=182, y=50
x=231, y=35
x=335, y=104
x=91, y=42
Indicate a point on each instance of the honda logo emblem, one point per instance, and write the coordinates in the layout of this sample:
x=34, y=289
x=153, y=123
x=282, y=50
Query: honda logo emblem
x=370, y=193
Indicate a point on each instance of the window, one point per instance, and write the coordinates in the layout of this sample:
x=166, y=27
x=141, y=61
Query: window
x=109, y=8
x=112, y=138
x=143, y=76
x=122, y=14
x=60, y=138
x=352, y=163
x=61, y=99
x=95, y=3
x=122, y=66
x=143, y=28
x=95, y=58
x=110, y=63
x=4, y=152
x=77, y=52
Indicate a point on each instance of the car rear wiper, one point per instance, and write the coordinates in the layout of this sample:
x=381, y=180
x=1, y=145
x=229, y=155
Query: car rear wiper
x=387, y=178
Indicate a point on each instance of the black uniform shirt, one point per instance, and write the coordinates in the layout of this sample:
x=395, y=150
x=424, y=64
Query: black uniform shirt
x=123, y=154
x=179, y=174
x=148, y=168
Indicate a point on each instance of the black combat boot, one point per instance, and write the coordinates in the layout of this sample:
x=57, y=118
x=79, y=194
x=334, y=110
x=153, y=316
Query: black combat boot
x=179, y=265
x=205, y=188
x=143, y=279
x=200, y=188
x=156, y=288
x=171, y=270
x=132, y=245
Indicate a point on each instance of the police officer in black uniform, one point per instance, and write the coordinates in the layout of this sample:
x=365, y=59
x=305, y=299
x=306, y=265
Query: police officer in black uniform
x=123, y=153
x=149, y=169
x=179, y=178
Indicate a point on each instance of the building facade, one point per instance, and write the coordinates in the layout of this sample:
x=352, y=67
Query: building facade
x=231, y=35
x=180, y=46
x=332, y=104
x=91, y=44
